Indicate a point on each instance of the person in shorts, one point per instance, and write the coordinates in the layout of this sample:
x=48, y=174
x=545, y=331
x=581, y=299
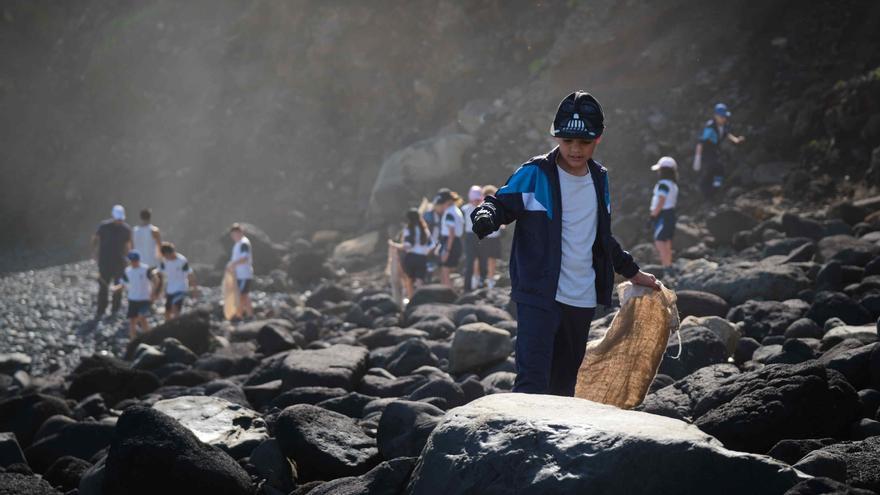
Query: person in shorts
x=178, y=277
x=416, y=243
x=140, y=283
x=489, y=248
x=663, y=203
x=242, y=264
x=451, y=232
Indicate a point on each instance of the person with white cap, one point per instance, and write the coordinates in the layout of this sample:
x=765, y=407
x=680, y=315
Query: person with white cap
x=110, y=245
x=707, y=156
x=471, y=250
x=663, y=204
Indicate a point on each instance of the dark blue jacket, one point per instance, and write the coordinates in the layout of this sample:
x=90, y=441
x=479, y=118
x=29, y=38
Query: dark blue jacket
x=531, y=196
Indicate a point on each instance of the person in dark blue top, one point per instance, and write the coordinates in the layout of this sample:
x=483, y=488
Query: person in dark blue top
x=707, y=158
x=563, y=258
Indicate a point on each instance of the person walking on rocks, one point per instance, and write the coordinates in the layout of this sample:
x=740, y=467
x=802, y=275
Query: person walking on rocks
x=147, y=239
x=178, y=278
x=110, y=245
x=416, y=243
x=707, y=157
x=140, y=281
x=433, y=217
x=242, y=264
x=451, y=231
x=663, y=204
x=490, y=247
x=472, y=254
x=564, y=256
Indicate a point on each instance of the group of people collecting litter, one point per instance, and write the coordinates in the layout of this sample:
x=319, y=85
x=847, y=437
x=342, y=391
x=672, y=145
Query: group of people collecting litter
x=563, y=256
x=443, y=234
x=139, y=261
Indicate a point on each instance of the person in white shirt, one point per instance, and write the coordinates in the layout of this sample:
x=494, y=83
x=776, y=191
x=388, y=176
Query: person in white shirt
x=242, y=264
x=451, y=231
x=416, y=243
x=147, y=239
x=663, y=203
x=475, y=259
x=489, y=248
x=178, y=278
x=140, y=281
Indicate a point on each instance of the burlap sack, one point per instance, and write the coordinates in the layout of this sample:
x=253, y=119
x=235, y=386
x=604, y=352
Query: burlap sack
x=619, y=368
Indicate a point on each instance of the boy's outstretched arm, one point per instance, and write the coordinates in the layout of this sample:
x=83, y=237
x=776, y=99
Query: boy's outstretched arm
x=506, y=205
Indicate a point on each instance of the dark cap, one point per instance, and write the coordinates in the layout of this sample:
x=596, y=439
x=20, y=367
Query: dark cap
x=579, y=117
x=444, y=195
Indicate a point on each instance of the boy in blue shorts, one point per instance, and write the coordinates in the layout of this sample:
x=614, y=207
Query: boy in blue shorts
x=140, y=281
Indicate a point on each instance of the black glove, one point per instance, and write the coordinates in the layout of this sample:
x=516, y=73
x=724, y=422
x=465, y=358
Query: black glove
x=483, y=222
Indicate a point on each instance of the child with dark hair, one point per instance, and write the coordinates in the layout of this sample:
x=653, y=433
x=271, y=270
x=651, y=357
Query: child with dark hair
x=242, y=264
x=663, y=204
x=178, y=278
x=140, y=281
x=416, y=243
x=451, y=231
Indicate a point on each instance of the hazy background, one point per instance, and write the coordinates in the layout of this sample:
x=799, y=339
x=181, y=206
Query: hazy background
x=283, y=113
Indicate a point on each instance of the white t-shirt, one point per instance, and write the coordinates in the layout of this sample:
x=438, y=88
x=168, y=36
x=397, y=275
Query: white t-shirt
x=145, y=243
x=242, y=249
x=667, y=188
x=577, y=278
x=137, y=281
x=453, y=221
x=176, y=273
x=416, y=247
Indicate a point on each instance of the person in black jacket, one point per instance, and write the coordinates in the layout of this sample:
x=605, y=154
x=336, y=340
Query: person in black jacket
x=563, y=257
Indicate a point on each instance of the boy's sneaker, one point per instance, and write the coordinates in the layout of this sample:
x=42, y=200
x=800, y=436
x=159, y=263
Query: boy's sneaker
x=490, y=283
x=476, y=283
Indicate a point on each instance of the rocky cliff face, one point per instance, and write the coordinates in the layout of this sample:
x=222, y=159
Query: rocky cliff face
x=286, y=114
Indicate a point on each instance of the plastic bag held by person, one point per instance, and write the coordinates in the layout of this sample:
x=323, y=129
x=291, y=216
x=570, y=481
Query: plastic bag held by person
x=619, y=368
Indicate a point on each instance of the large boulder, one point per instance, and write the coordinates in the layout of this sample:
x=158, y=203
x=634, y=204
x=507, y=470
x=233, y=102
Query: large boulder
x=10, y=451
x=152, y=453
x=67, y=472
x=726, y=222
x=700, y=347
x=390, y=336
x=698, y=303
x=356, y=249
x=827, y=304
x=433, y=293
x=404, y=428
x=113, y=381
x=848, y=250
x=753, y=411
x=25, y=484
x=737, y=283
x=218, y=422
x=567, y=445
x=725, y=330
x=408, y=170
x=861, y=460
x=796, y=226
x=325, y=444
x=763, y=318
x=477, y=345
x=82, y=440
x=24, y=414
x=679, y=399
x=336, y=366
x=825, y=486
x=192, y=329
x=410, y=355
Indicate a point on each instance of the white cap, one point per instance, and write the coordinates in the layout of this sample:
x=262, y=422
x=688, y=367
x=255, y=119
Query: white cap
x=664, y=162
x=475, y=193
x=118, y=212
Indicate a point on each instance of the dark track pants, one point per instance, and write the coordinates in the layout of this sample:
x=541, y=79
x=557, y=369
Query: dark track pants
x=550, y=346
x=471, y=252
x=108, y=278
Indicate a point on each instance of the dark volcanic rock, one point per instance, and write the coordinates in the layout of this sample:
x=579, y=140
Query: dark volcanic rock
x=449, y=391
x=478, y=345
x=113, y=382
x=325, y=445
x=404, y=428
x=336, y=366
x=795, y=226
x=390, y=336
x=678, y=399
x=382, y=386
x=433, y=293
x=81, y=440
x=10, y=451
x=803, y=328
x=737, y=283
x=388, y=478
x=351, y=404
x=153, y=453
x=192, y=329
x=745, y=349
x=696, y=303
x=828, y=304
x=862, y=461
x=23, y=415
x=727, y=222
x=824, y=464
x=854, y=363
x=699, y=347
x=848, y=250
x=306, y=395
x=755, y=410
x=23, y=484
x=66, y=472
x=518, y=443
x=791, y=451
x=763, y=318
x=409, y=355
x=271, y=463
x=825, y=486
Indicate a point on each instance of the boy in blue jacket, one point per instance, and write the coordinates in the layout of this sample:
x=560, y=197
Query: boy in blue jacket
x=563, y=257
